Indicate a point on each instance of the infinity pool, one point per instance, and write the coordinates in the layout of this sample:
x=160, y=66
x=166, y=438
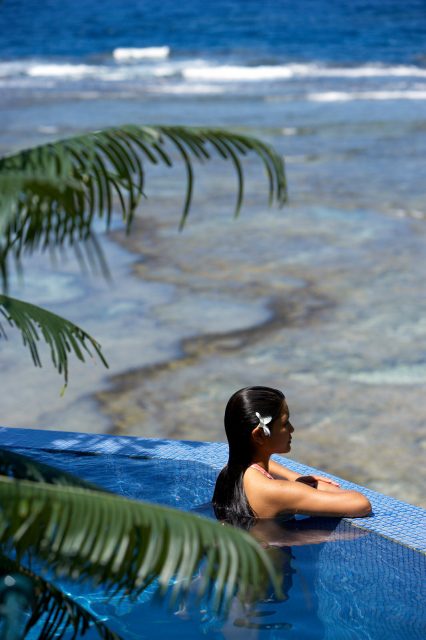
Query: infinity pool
x=341, y=582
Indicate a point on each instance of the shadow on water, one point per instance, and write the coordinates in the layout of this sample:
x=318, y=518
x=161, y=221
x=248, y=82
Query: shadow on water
x=83, y=444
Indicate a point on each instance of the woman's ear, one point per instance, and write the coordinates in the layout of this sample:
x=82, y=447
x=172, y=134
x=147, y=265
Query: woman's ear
x=258, y=436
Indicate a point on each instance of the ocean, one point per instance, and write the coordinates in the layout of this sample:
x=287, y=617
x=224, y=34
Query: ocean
x=324, y=299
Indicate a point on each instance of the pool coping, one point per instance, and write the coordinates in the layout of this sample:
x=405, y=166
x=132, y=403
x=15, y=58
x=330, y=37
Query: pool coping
x=394, y=519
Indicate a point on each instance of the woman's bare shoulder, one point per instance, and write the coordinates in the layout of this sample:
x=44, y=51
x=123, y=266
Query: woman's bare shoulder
x=263, y=493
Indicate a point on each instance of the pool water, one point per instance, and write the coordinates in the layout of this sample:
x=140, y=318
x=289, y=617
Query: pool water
x=340, y=581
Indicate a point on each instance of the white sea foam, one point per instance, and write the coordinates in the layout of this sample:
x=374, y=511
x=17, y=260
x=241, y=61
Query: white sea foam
x=61, y=70
x=346, y=96
x=151, y=63
x=140, y=54
x=229, y=73
x=38, y=68
x=185, y=89
x=178, y=67
x=410, y=213
x=151, y=72
x=365, y=71
x=399, y=375
x=233, y=73
x=107, y=73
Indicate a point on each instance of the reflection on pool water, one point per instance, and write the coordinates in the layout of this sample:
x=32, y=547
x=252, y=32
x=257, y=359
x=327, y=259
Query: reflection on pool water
x=340, y=582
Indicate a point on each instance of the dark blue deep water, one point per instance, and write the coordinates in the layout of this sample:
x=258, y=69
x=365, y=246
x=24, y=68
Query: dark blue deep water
x=328, y=30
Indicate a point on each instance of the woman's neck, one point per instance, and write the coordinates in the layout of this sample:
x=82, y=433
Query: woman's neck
x=261, y=458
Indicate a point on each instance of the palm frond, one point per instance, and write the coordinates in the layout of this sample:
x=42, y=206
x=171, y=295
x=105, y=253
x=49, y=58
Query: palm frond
x=83, y=174
x=57, y=611
x=38, y=183
x=62, y=336
x=21, y=467
x=125, y=545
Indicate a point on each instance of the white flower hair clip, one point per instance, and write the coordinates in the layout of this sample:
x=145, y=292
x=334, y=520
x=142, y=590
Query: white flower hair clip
x=263, y=422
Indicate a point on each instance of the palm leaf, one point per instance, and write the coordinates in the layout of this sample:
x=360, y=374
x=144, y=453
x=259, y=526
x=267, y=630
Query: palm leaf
x=125, y=544
x=20, y=467
x=38, y=183
x=51, y=194
x=83, y=174
x=57, y=610
x=62, y=336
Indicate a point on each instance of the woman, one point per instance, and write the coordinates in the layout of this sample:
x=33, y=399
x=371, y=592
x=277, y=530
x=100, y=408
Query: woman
x=257, y=424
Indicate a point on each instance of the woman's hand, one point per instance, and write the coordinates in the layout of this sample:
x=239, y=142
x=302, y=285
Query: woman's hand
x=326, y=481
x=325, y=484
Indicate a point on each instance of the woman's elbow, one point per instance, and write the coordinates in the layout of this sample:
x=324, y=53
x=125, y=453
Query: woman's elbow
x=360, y=506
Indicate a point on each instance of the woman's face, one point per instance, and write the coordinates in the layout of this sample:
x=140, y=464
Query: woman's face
x=281, y=431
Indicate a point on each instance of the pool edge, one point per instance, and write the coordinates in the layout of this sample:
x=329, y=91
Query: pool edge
x=394, y=519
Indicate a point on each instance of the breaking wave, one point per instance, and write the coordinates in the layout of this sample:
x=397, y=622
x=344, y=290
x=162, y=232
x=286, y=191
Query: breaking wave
x=343, y=96
x=141, y=53
x=155, y=70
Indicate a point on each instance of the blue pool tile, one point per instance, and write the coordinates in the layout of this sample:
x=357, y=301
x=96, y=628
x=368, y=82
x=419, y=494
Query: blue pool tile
x=399, y=521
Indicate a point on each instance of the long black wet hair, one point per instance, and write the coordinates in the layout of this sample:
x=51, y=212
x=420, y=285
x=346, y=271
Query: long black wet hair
x=229, y=499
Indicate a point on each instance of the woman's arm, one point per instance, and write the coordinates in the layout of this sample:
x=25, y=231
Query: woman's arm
x=268, y=499
x=282, y=473
x=298, y=498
